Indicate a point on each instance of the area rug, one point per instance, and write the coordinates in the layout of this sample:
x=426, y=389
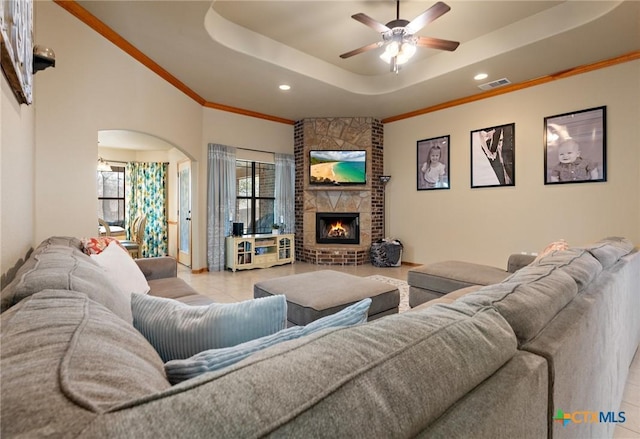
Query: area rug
x=403, y=287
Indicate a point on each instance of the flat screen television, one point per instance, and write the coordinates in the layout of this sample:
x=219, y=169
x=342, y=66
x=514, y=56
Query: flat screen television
x=337, y=167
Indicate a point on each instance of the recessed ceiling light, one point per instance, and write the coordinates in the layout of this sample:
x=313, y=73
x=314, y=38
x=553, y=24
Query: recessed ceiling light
x=284, y=87
x=480, y=76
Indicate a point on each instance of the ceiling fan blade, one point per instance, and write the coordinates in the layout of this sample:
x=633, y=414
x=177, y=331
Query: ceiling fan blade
x=362, y=49
x=436, y=43
x=365, y=19
x=427, y=17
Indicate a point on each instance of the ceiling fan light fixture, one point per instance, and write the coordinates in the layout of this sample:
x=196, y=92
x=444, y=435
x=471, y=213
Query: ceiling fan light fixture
x=391, y=49
x=398, y=36
x=401, y=52
x=407, y=50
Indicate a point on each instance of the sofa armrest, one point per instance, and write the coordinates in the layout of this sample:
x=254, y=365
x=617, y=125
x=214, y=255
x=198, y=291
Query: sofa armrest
x=159, y=267
x=517, y=261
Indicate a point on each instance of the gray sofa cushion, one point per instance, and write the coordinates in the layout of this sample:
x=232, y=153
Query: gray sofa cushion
x=331, y=382
x=177, y=289
x=65, y=359
x=63, y=241
x=448, y=298
x=67, y=268
x=7, y=299
x=528, y=301
x=159, y=267
x=590, y=346
x=517, y=261
x=522, y=388
x=577, y=263
x=609, y=250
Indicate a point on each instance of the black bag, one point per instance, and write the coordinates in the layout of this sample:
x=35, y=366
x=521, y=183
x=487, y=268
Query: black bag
x=386, y=253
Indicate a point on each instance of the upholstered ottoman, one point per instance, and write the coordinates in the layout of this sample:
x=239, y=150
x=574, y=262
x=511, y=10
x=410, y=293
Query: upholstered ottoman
x=321, y=293
x=432, y=281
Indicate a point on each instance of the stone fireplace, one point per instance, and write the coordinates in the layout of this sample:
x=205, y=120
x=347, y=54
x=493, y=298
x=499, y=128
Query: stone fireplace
x=365, y=201
x=337, y=228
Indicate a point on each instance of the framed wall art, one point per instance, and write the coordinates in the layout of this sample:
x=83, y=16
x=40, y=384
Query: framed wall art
x=16, y=46
x=493, y=156
x=433, y=163
x=575, y=147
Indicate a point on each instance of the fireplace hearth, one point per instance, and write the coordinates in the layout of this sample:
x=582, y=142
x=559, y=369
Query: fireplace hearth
x=337, y=228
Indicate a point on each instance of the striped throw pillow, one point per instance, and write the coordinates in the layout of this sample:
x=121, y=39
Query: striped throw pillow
x=215, y=359
x=177, y=330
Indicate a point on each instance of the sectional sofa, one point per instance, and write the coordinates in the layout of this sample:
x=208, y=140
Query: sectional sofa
x=555, y=337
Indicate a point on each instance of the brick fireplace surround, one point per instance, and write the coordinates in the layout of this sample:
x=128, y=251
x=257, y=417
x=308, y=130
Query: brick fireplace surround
x=346, y=133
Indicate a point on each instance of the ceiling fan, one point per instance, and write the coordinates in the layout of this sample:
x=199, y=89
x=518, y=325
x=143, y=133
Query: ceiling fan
x=398, y=35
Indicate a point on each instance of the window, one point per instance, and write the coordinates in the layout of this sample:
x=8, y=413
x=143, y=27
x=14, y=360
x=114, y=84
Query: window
x=255, y=197
x=111, y=195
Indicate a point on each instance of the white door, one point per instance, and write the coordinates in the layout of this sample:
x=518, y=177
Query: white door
x=184, y=213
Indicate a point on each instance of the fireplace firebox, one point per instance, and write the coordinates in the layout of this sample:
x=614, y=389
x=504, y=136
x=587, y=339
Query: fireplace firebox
x=337, y=228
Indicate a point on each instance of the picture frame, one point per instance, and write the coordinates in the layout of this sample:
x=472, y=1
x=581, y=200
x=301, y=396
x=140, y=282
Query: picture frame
x=436, y=174
x=493, y=156
x=575, y=147
x=16, y=47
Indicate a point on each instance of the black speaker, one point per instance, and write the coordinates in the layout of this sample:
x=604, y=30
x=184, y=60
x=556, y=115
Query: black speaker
x=238, y=229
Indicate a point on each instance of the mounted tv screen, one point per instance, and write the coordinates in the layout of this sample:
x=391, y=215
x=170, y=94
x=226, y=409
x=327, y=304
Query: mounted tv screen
x=339, y=167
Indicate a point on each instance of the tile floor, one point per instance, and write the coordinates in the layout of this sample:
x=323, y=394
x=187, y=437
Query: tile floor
x=227, y=286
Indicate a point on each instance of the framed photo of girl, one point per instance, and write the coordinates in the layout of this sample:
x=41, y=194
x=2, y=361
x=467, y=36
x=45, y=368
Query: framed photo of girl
x=575, y=147
x=433, y=163
x=493, y=156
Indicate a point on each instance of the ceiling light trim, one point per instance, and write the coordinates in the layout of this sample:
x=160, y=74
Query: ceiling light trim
x=546, y=24
x=553, y=21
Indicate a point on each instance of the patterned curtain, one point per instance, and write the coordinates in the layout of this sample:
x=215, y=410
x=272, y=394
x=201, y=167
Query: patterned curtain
x=221, y=202
x=146, y=194
x=285, y=192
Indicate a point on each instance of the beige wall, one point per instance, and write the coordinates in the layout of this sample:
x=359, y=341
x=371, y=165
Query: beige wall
x=485, y=225
x=96, y=86
x=16, y=178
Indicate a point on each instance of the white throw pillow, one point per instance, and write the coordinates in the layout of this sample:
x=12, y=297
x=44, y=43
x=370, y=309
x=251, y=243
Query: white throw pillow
x=122, y=269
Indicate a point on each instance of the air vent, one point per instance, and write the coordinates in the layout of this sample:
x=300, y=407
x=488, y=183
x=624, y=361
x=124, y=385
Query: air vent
x=494, y=84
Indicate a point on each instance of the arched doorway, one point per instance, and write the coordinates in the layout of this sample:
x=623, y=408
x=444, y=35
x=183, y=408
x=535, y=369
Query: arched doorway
x=118, y=147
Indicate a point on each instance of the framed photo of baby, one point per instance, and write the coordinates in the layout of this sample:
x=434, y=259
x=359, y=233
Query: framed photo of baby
x=575, y=147
x=433, y=163
x=493, y=156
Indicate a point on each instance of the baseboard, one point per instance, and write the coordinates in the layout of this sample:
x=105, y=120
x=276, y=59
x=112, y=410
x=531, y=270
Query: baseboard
x=199, y=270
